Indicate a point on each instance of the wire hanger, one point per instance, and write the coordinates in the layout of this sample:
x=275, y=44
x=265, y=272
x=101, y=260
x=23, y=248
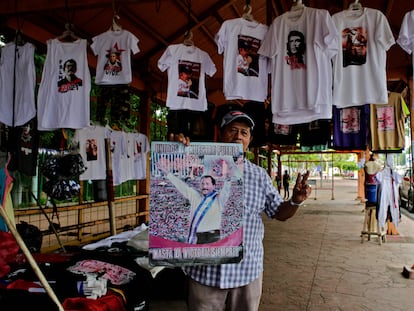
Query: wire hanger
x=355, y=6
x=68, y=35
x=297, y=5
x=115, y=26
x=188, y=35
x=247, y=15
x=188, y=38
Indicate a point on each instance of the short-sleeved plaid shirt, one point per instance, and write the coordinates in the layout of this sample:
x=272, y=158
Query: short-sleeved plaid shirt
x=259, y=196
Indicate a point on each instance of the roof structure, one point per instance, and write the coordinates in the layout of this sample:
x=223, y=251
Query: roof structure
x=159, y=23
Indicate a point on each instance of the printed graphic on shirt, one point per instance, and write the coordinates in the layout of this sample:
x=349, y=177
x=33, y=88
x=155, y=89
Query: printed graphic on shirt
x=68, y=81
x=113, y=65
x=91, y=149
x=350, y=120
x=282, y=129
x=354, y=46
x=295, y=50
x=385, y=116
x=248, y=59
x=188, y=79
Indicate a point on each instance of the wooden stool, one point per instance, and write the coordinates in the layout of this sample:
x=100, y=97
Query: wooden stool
x=371, y=225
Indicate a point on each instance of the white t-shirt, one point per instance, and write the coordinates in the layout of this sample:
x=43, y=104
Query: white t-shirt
x=92, y=149
x=406, y=35
x=301, y=75
x=360, y=68
x=140, y=150
x=23, y=88
x=186, y=67
x=245, y=76
x=64, y=93
x=114, y=49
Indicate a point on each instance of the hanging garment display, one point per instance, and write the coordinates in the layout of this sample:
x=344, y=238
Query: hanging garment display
x=186, y=67
x=17, y=82
x=245, y=71
x=315, y=135
x=387, y=124
x=138, y=147
x=351, y=128
x=114, y=49
x=24, y=144
x=283, y=134
x=389, y=181
x=64, y=91
x=91, y=142
x=406, y=36
x=301, y=46
x=360, y=67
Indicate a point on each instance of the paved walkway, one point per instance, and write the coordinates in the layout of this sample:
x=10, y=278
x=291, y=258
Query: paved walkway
x=316, y=261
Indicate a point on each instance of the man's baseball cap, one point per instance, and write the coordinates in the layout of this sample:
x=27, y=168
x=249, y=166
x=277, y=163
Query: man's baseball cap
x=236, y=115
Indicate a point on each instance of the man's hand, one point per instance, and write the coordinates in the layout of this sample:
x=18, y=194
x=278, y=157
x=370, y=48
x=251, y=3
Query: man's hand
x=301, y=190
x=181, y=138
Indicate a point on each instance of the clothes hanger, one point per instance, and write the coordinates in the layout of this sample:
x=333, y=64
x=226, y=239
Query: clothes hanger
x=188, y=38
x=115, y=26
x=355, y=6
x=247, y=15
x=297, y=6
x=18, y=39
x=68, y=35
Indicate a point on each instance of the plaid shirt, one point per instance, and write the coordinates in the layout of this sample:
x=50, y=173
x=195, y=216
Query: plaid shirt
x=259, y=196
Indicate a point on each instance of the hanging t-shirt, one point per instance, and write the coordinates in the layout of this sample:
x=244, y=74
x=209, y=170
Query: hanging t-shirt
x=138, y=147
x=406, y=35
x=351, y=127
x=25, y=148
x=24, y=76
x=63, y=99
x=91, y=142
x=360, y=67
x=114, y=49
x=301, y=45
x=119, y=157
x=315, y=135
x=388, y=201
x=245, y=71
x=187, y=67
x=387, y=124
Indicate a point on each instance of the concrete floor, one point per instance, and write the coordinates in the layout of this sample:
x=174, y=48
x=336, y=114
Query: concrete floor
x=315, y=261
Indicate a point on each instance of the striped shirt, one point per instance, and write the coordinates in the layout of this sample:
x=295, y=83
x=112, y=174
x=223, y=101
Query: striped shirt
x=259, y=196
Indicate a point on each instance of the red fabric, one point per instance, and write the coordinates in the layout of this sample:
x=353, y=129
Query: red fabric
x=109, y=302
x=22, y=284
x=8, y=251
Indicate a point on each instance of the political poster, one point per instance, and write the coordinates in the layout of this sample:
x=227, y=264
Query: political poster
x=196, y=204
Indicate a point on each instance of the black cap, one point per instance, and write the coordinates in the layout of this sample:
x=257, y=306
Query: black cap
x=236, y=115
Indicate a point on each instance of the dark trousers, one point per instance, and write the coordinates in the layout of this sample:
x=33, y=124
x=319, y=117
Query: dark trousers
x=208, y=237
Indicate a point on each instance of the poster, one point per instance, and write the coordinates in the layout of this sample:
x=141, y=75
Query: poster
x=196, y=204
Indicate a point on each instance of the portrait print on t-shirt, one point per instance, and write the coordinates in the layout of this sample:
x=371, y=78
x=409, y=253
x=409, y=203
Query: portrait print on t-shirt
x=248, y=59
x=350, y=120
x=67, y=79
x=188, y=79
x=91, y=149
x=113, y=65
x=354, y=46
x=385, y=117
x=295, y=50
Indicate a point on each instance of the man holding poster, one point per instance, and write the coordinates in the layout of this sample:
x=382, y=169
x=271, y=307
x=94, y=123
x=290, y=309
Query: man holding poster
x=238, y=286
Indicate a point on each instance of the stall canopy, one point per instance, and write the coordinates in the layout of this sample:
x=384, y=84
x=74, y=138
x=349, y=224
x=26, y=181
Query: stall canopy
x=159, y=23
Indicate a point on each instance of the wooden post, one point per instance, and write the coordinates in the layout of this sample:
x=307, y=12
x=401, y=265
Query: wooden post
x=110, y=186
